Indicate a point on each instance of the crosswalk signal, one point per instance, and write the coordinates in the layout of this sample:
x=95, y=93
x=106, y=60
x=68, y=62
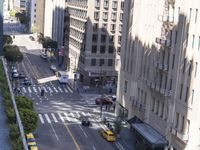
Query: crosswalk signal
x=42, y=92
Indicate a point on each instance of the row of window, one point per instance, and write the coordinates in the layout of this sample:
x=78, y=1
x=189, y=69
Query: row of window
x=105, y=16
x=77, y=13
x=76, y=44
x=105, y=37
x=159, y=109
x=77, y=34
x=110, y=62
x=77, y=24
x=181, y=123
x=106, y=4
x=111, y=49
x=83, y=3
x=105, y=27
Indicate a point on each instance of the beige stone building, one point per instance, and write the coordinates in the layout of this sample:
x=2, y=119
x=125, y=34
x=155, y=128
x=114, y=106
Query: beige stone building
x=93, y=31
x=159, y=76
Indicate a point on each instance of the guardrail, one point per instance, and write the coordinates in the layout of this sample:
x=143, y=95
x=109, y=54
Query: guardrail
x=15, y=107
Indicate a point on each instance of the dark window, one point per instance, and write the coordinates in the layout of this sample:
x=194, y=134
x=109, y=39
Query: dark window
x=95, y=27
x=110, y=62
x=102, y=49
x=196, y=66
x=93, y=62
x=103, y=38
x=94, y=38
x=186, y=96
x=176, y=33
x=101, y=62
x=111, y=38
x=173, y=61
x=190, y=68
x=196, y=15
x=122, y=5
x=111, y=49
x=181, y=89
x=94, y=48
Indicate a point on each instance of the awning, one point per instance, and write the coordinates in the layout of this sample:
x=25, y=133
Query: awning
x=154, y=138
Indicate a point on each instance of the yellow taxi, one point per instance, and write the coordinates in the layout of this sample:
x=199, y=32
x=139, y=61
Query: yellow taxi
x=108, y=135
x=31, y=141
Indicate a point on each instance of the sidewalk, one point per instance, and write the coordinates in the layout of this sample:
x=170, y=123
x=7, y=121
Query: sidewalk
x=4, y=130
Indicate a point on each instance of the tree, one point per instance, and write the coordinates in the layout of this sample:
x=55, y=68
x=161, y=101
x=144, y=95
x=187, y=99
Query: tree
x=24, y=103
x=29, y=120
x=47, y=42
x=7, y=39
x=12, y=54
x=12, y=13
x=24, y=19
x=40, y=37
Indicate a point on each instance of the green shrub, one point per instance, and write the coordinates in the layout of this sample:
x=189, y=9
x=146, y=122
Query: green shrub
x=6, y=95
x=17, y=144
x=7, y=102
x=14, y=131
x=24, y=103
x=11, y=115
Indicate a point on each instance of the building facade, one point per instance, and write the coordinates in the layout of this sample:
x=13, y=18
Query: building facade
x=93, y=31
x=21, y=5
x=159, y=76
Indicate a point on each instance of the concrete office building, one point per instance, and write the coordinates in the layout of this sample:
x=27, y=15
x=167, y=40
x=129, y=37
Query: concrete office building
x=159, y=76
x=93, y=38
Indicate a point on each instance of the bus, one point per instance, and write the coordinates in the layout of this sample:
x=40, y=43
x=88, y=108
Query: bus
x=62, y=77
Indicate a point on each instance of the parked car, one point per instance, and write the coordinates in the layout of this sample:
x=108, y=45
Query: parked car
x=32, y=38
x=103, y=101
x=85, y=121
x=15, y=74
x=108, y=135
x=14, y=69
x=53, y=68
x=31, y=142
x=21, y=75
x=27, y=82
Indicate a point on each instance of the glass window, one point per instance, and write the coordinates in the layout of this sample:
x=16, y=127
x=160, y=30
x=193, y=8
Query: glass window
x=111, y=39
x=125, y=86
x=103, y=38
x=114, y=4
x=93, y=62
x=102, y=49
x=94, y=37
x=101, y=62
x=110, y=62
x=94, y=48
x=111, y=49
x=96, y=15
x=95, y=26
x=104, y=27
x=105, y=15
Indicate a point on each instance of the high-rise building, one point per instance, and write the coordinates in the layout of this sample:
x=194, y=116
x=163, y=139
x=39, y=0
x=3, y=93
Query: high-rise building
x=159, y=76
x=93, y=31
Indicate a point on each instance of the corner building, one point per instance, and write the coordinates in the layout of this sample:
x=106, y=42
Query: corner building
x=159, y=75
x=93, y=30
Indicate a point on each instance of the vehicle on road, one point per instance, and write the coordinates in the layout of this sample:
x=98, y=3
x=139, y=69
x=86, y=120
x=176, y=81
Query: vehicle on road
x=21, y=75
x=108, y=135
x=62, y=77
x=43, y=56
x=103, y=101
x=31, y=142
x=15, y=74
x=32, y=38
x=27, y=82
x=14, y=69
x=53, y=68
x=85, y=122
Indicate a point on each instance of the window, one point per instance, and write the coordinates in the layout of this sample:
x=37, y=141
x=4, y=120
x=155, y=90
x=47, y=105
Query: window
x=196, y=69
x=177, y=119
x=113, y=16
x=111, y=49
x=103, y=38
x=122, y=5
x=125, y=86
x=192, y=96
x=190, y=68
x=176, y=33
x=119, y=39
x=110, y=62
x=153, y=104
x=186, y=95
x=173, y=61
x=114, y=4
x=111, y=39
x=193, y=38
x=97, y=3
x=105, y=4
x=96, y=15
x=190, y=14
x=101, y=62
x=182, y=123
x=181, y=88
x=112, y=27
x=94, y=37
x=102, y=49
x=184, y=64
x=105, y=15
x=170, y=87
x=120, y=28
x=94, y=48
x=157, y=106
x=196, y=15
x=162, y=110
x=104, y=27
x=93, y=62
x=95, y=26
x=121, y=16
x=199, y=44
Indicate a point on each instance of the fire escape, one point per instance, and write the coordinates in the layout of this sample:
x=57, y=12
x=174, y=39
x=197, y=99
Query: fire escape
x=165, y=44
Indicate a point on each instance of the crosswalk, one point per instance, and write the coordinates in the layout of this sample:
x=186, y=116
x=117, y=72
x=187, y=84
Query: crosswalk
x=65, y=117
x=47, y=89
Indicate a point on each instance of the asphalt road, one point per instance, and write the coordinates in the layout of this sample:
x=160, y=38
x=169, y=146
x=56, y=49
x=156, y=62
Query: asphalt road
x=60, y=109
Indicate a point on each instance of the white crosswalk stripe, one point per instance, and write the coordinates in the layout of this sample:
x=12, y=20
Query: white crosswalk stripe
x=35, y=90
x=50, y=90
x=61, y=118
x=47, y=117
x=24, y=90
x=55, y=90
x=67, y=117
x=29, y=90
x=69, y=89
x=60, y=89
x=65, y=90
x=54, y=118
x=39, y=89
x=41, y=119
x=45, y=90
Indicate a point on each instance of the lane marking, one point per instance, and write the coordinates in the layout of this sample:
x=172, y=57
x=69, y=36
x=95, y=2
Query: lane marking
x=83, y=113
x=35, y=90
x=41, y=119
x=47, y=117
x=119, y=146
x=29, y=90
x=55, y=90
x=65, y=90
x=45, y=89
x=54, y=132
x=67, y=118
x=93, y=148
x=24, y=89
x=54, y=117
x=50, y=89
x=60, y=89
x=83, y=131
x=61, y=118
x=69, y=89
x=71, y=135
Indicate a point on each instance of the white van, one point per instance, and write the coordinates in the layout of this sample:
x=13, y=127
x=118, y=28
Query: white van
x=62, y=76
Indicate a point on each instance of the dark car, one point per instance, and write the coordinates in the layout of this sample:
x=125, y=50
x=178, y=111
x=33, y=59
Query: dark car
x=103, y=101
x=21, y=75
x=27, y=82
x=85, y=122
x=32, y=38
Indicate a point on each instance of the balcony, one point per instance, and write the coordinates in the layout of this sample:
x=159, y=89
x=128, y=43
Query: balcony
x=163, y=42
